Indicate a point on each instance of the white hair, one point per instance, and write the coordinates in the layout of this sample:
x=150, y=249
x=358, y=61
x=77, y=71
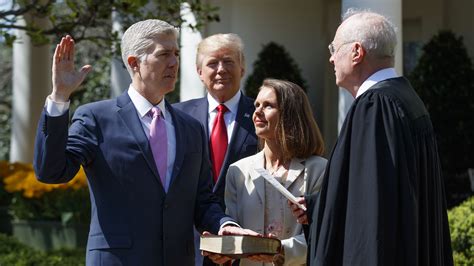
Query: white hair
x=230, y=41
x=375, y=32
x=141, y=36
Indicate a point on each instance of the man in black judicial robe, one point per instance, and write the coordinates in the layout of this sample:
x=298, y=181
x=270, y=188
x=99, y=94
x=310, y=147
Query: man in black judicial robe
x=382, y=201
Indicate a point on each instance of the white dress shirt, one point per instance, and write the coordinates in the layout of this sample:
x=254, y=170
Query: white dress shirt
x=381, y=75
x=229, y=117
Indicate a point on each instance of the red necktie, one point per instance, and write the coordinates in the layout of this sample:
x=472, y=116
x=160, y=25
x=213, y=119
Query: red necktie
x=218, y=142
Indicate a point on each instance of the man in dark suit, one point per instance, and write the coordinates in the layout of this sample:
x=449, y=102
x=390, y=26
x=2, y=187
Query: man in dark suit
x=382, y=201
x=146, y=163
x=220, y=65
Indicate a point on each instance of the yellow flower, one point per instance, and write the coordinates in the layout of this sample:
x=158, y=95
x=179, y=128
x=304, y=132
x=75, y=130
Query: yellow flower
x=20, y=177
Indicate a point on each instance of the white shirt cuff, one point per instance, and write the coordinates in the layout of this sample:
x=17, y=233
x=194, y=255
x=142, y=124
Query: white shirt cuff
x=229, y=223
x=56, y=108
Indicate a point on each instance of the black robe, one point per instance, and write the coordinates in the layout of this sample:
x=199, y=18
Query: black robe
x=382, y=201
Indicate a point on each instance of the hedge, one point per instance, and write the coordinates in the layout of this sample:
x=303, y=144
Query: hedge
x=461, y=224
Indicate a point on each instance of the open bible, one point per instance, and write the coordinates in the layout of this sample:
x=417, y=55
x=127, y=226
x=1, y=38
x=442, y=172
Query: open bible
x=239, y=246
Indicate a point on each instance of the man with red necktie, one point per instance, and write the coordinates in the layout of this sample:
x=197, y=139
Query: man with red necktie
x=225, y=113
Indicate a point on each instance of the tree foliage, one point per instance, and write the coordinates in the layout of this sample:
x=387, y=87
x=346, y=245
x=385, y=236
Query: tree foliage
x=87, y=21
x=91, y=20
x=273, y=62
x=5, y=99
x=444, y=79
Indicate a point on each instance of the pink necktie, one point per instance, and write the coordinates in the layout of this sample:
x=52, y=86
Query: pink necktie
x=218, y=141
x=159, y=143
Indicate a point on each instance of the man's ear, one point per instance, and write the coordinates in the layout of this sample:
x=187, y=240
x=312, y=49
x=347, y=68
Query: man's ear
x=199, y=71
x=132, y=62
x=358, y=53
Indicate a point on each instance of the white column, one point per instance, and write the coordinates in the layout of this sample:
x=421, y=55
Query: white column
x=389, y=8
x=119, y=76
x=190, y=85
x=31, y=85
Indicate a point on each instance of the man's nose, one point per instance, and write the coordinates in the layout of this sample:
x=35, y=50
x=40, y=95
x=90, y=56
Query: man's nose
x=220, y=67
x=174, y=60
x=331, y=59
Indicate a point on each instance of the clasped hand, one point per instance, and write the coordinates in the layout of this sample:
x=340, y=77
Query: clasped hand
x=234, y=230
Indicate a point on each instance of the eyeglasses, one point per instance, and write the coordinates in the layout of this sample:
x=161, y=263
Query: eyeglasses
x=333, y=50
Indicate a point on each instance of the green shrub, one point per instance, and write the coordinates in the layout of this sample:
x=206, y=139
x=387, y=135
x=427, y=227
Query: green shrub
x=14, y=253
x=461, y=223
x=444, y=79
x=273, y=62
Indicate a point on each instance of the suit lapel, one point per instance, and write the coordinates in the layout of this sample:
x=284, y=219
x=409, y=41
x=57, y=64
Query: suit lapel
x=243, y=123
x=199, y=110
x=180, y=140
x=296, y=168
x=128, y=113
x=257, y=179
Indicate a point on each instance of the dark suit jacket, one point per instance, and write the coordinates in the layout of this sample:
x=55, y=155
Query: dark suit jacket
x=134, y=222
x=243, y=142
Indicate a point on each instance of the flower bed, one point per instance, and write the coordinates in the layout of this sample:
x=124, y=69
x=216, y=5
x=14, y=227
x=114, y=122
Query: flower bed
x=45, y=216
x=33, y=200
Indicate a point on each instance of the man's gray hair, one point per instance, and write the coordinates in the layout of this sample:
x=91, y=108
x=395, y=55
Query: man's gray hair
x=375, y=32
x=230, y=41
x=141, y=36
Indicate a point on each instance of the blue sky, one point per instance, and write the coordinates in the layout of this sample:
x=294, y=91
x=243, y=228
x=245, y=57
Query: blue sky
x=4, y=5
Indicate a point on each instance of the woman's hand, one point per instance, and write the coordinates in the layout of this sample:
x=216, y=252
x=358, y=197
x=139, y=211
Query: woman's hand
x=298, y=213
x=216, y=258
x=276, y=259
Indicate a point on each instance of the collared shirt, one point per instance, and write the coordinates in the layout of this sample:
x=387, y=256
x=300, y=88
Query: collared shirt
x=229, y=117
x=56, y=108
x=381, y=75
x=143, y=107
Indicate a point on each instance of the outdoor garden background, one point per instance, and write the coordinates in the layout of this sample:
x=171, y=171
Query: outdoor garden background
x=44, y=224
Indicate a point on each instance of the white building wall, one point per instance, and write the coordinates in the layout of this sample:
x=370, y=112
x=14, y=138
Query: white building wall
x=422, y=19
x=190, y=84
x=298, y=25
x=460, y=19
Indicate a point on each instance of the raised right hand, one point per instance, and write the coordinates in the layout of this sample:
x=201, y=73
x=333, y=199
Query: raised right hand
x=65, y=78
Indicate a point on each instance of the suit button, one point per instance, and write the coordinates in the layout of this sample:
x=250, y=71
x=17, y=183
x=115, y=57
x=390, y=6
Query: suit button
x=165, y=206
